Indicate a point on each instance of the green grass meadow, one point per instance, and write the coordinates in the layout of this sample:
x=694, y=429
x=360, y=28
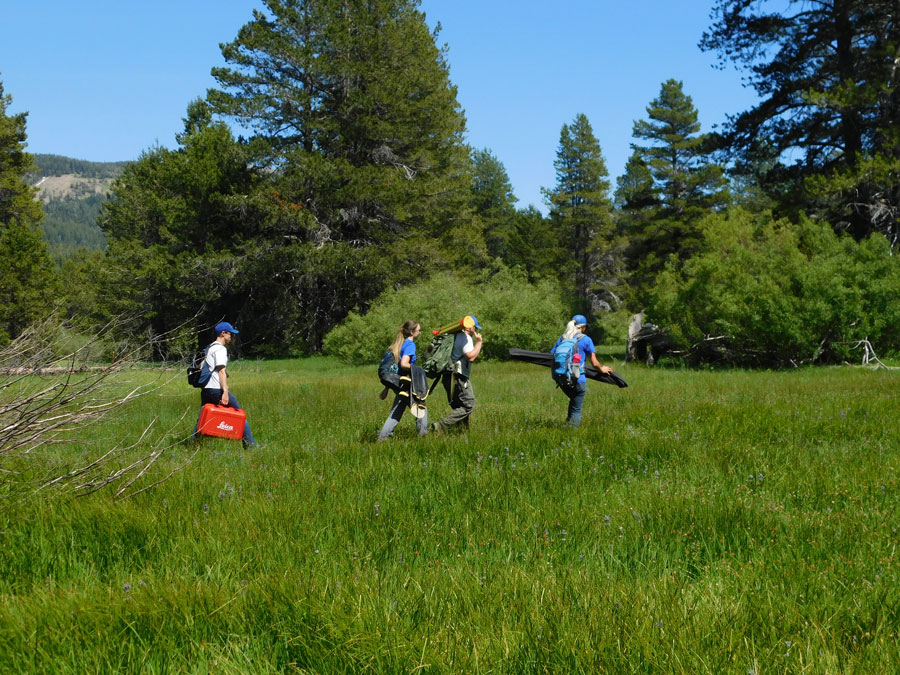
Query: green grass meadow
x=697, y=522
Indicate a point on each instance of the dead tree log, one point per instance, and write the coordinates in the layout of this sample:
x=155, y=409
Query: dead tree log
x=646, y=341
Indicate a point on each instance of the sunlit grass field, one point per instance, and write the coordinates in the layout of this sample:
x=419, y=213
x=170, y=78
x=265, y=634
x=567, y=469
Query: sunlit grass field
x=697, y=522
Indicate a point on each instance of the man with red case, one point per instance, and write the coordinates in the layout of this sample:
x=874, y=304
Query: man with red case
x=215, y=390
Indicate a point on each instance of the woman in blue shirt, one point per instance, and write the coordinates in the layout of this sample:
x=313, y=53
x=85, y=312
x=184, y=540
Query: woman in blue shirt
x=583, y=346
x=404, y=348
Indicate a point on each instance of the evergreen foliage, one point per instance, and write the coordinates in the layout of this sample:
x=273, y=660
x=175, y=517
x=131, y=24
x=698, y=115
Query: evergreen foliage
x=355, y=178
x=354, y=186
x=635, y=193
x=514, y=313
x=27, y=279
x=581, y=212
x=493, y=202
x=352, y=103
x=534, y=245
x=868, y=192
x=778, y=294
x=83, y=272
x=826, y=75
x=71, y=225
x=669, y=186
x=523, y=238
x=57, y=165
x=181, y=227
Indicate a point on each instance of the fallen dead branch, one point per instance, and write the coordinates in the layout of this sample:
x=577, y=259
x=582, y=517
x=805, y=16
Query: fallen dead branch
x=47, y=398
x=869, y=357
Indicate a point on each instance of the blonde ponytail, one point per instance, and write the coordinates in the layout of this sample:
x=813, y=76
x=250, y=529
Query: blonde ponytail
x=406, y=330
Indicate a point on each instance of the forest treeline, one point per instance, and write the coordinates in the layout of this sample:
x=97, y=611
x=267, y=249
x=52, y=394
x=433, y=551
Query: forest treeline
x=775, y=235
x=58, y=165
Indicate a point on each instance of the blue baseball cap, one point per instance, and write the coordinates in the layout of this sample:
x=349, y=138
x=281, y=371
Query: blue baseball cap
x=225, y=327
x=579, y=320
x=475, y=321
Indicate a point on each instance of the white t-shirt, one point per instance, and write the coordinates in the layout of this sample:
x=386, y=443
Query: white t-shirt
x=462, y=344
x=216, y=355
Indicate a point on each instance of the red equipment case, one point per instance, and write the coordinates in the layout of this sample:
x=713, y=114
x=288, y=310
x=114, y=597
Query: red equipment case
x=222, y=421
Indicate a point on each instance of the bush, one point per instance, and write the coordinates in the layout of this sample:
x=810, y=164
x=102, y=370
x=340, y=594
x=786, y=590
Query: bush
x=780, y=293
x=611, y=328
x=514, y=313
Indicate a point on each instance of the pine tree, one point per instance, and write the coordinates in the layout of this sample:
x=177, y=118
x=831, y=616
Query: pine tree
x=354, y=177
x=27, y=278
x=351, y=101
x=636, y=197
x=534, y=245
x=826, y=76
x=183, y=228
x=580, y=208
x=493, y=202
x=686, y=184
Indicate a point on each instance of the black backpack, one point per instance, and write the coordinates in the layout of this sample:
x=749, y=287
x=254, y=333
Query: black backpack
x=389, y=371
x=196, y=376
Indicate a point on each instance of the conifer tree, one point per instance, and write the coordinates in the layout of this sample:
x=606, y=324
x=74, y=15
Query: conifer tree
x=636, y=196
x=686, y=184
x=826, y=75
x=493, y=202
x=353, y=178
x=27, y=277
x=199, y=232
x=580, y=208
x=351, y=101
x=534, y=245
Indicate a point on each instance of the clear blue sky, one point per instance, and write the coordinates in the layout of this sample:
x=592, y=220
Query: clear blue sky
x=104, y=80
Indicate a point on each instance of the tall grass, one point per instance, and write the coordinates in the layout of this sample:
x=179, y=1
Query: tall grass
x=700, y=522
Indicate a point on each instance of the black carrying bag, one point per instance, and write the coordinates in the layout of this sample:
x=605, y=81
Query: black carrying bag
x=543, y=359
x=196, y=376
x=389, y=372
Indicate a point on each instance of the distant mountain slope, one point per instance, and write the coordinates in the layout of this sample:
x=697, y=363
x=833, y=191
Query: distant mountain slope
x=57, y=165
x=73, y=191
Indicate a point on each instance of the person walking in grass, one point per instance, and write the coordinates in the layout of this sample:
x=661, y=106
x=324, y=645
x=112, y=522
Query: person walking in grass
x=404, y=349
x=216, y=389
x=584, y=346
x=466, y=348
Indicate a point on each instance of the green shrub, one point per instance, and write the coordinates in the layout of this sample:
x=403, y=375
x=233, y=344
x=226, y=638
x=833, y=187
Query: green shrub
x=513, y=312
x=780, y=293
x=611, y=328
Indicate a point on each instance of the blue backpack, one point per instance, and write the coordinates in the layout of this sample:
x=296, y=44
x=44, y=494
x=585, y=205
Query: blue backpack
x=565, y=371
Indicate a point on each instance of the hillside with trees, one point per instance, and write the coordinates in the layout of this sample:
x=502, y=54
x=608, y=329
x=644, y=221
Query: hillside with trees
x=769, y=242
x=72, y=192
x=57, y=165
